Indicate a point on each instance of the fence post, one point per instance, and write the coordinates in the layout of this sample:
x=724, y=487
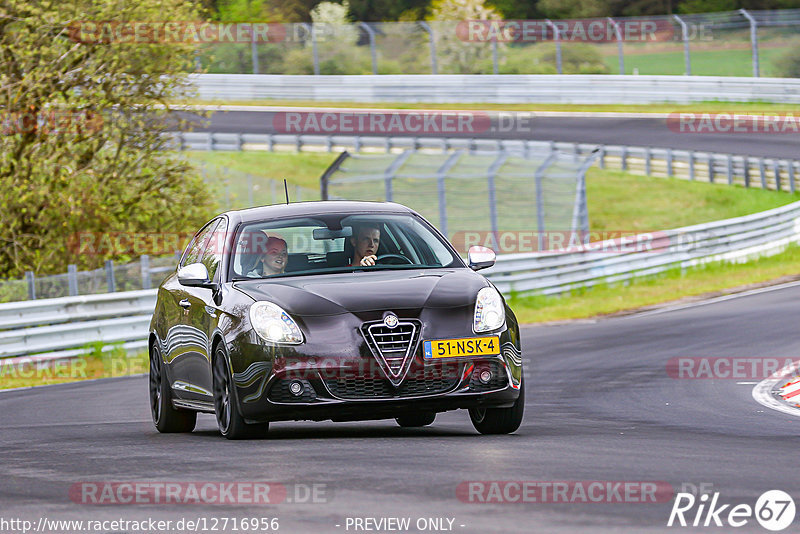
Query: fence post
x=72, y=279
x=254, y=50
x=110, y=280
x=432, y=41
x=602, y=156
x=440, y=175
x=31, y=279
x=326, y=176
x=557, y=38
x=315, y=54
x=494, y=55
x=492, y=172
x=144, y=264
x=685, y=36
x=618, y=34
x=538, y=176
x=753, y=40
x=374, y=54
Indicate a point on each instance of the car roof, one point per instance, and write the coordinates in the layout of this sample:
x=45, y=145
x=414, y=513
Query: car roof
x=319, y=207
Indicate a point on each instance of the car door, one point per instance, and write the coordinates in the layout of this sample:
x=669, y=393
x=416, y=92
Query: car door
x=187, y=343
x=203, y=316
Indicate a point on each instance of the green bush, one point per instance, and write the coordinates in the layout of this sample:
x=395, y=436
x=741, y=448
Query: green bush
x=576, y=58
x=787, y=65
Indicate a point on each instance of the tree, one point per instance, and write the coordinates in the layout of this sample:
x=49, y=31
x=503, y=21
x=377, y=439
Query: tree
x=83, y=145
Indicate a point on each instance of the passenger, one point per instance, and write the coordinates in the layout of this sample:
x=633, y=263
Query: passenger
x=365, y=243
x=273, y=260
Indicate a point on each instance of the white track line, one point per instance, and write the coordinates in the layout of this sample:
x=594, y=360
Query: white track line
x=762, y=394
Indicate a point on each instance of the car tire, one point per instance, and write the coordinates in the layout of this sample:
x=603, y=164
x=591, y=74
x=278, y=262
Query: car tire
x=166, y=417
x=226, y=406
x=415, y=420
x=499, y=420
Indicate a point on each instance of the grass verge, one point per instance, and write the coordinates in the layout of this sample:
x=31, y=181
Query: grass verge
x=95, y=364
x=718, y=277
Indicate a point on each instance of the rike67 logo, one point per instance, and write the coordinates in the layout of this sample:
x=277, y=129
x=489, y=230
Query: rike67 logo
x=774, y=510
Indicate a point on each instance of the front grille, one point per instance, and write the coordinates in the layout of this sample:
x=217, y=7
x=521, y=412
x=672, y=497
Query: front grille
x=393, y=344
x=280, y=392
x=429, y=380
x=499, y=378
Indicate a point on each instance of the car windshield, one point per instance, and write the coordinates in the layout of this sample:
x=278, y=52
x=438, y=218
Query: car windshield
x=311, y=245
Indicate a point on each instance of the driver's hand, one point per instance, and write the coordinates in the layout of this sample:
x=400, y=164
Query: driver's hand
x=367, y=261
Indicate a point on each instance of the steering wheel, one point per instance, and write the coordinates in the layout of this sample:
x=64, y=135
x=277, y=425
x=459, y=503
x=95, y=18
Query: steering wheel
x=393, y=256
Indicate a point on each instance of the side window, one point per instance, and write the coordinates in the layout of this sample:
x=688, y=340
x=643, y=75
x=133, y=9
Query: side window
x=212, y=256
x=195, y=249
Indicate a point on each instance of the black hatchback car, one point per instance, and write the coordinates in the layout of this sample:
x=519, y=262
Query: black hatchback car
x=331, y=310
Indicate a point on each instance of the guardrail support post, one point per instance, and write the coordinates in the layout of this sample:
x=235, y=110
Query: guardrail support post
x=791, y=175
x=711, y=168
x=730, y=169
x=753, y=40
x=777, y=169
x=31, y=279
x=685, y=36
x=144, y=264
x=746, y=164
x=72, y=279
x=602, y=156
x=691, y=165
x=110, y=281
x=432, y=44
x=670, y=172
x=372, y=50
x=557, y=39
x=624, y=158
x=618, y=35
x=762, y=173
x=647, y=161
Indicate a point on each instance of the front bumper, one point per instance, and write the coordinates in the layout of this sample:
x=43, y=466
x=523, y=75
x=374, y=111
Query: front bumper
x=320, y=389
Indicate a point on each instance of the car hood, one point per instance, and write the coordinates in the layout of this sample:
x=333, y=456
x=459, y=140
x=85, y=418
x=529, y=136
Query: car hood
x=333, y=294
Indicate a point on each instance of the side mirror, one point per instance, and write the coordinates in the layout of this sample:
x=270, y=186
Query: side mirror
x=193, y=275
x=480, y=257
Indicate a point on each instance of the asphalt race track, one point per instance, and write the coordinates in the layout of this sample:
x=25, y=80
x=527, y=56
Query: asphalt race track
x=652, y=132
x=600, y=407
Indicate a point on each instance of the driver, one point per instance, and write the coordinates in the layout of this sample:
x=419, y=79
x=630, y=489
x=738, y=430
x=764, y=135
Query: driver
x=274, y=259
x=365, y=243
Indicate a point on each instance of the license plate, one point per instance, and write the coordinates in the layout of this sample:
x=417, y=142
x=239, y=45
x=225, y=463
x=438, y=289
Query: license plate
x=468, y=346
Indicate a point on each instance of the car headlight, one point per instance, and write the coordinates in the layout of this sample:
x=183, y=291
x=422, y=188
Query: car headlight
x=273, y=324
x=490, y=314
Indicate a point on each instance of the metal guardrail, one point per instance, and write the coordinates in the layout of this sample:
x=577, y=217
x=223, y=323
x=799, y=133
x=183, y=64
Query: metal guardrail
x=747, y=171
x=499, y=89
x=124, y=316
x=68, y=323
